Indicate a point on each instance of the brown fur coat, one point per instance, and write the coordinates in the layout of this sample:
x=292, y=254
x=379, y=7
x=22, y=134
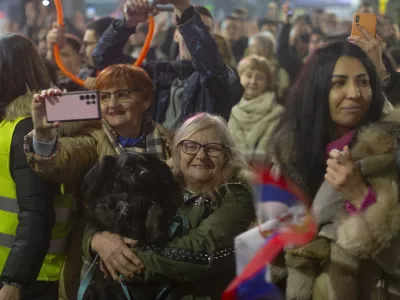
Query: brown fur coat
x=354, y=257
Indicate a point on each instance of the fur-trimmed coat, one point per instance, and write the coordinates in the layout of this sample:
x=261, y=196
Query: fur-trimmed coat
x=354, y=257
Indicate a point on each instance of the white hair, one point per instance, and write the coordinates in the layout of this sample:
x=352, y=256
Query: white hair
x=234, y=168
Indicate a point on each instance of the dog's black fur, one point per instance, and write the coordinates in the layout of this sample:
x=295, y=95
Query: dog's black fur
x=133, y=195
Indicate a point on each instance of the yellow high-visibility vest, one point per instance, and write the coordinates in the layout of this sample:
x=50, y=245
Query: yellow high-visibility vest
x=9, y=209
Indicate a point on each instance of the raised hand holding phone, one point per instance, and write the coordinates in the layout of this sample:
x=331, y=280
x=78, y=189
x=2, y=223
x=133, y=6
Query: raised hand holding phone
x=372, y=46
x=44, y=131
x=52, y=107
x=286, y=13
x=367, y=21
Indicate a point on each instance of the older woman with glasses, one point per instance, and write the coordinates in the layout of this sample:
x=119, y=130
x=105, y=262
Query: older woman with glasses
x=126, y=93
x=218, y=205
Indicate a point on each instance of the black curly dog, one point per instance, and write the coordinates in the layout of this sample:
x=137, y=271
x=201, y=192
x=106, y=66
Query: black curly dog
x=133, y=195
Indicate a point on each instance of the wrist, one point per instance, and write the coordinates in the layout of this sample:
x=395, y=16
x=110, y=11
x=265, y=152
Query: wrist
x=11, y=286
x=181, y=7
x=95, y=240
x=130, y=23
x=382, y=73
x=360, y=195
x=44, y=135
x=50, y=55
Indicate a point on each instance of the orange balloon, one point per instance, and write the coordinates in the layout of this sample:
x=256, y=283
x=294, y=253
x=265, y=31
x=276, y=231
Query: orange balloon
x=147, y=43
x=57, y=56
x=73, y=77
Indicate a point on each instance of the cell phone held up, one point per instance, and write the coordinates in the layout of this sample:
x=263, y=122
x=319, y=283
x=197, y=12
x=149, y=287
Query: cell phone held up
x=366, y=21
x=76, y=106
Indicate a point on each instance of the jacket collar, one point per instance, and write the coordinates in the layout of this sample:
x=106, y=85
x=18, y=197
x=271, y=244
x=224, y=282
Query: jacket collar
x=19, y=107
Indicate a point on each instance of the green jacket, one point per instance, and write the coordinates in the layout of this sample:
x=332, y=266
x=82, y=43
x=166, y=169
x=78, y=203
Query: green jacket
x=201, y=264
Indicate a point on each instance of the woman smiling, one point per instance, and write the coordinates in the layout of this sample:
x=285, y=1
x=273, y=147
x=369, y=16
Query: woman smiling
x=217, y=204
x=126, y=93
x=336, y=142
x=254, y=118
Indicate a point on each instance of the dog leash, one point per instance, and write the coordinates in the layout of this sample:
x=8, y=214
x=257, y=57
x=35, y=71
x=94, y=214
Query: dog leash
x=87, y=279
x=179, y=226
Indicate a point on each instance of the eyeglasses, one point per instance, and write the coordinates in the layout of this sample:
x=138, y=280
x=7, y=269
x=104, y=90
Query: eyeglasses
x=121, y=96
x=211, y=149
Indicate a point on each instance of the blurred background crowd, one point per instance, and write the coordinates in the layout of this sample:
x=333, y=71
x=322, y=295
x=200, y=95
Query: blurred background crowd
x=267, y=54
x=242, y=28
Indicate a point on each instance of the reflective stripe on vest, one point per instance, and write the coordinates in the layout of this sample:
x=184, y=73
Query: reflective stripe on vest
x=55, y=245
x=9, y=210
x=10, y=205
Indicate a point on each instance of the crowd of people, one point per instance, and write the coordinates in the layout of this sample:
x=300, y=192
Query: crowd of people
x=212, y=100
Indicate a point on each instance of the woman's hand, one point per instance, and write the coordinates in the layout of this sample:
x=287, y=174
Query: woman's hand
x=286, y=13
x=55, y=36
x=9, y=292
x=345, y=177
x=117, y=257
x=44, y=131
x=372, y=46
x=136, y=11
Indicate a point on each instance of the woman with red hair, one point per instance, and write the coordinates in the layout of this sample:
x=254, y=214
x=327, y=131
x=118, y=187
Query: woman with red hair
x=126, y=95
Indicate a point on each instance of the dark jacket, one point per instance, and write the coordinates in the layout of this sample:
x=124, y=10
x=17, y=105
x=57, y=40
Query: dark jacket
x=71, y=86
x=392, y=90
x=35, y=201
x=201, y=264
x=239, y=47
x=286, y=54
x=209, y=85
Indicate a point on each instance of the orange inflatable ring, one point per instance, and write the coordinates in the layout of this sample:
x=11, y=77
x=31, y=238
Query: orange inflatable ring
x=73, y=77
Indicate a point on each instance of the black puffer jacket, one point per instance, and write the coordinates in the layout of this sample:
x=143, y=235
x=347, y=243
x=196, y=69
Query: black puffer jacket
x=36, y=209
x=392, y=90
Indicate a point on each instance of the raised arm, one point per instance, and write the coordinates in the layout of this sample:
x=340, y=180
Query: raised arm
x=221, y=83
x=287, y=58
x=110, y=49
x=60, y=160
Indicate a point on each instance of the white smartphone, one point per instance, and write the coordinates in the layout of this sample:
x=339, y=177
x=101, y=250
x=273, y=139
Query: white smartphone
x=75, y=106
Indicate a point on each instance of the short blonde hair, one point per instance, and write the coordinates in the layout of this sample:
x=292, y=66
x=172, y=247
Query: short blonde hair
x=267, y=41
x=234, y=168
x=258, y=63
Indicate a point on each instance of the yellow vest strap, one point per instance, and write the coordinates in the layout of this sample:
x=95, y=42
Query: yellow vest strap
x=56, y=246
x=11, y=205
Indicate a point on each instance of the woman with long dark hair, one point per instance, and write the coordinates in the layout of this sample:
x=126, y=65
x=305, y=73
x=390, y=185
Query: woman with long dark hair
x=31, y=252
x=308, y=124
x=339, y=145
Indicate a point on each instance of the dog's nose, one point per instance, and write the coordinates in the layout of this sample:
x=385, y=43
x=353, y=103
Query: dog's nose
x=145, y=174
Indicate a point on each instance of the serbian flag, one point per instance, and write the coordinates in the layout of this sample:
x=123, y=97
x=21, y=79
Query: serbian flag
x=285, y=221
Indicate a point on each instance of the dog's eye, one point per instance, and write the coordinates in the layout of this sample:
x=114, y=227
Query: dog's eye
x=128, y=168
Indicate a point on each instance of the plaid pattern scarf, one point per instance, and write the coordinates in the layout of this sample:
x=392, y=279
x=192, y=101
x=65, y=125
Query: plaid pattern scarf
x=153, y=142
